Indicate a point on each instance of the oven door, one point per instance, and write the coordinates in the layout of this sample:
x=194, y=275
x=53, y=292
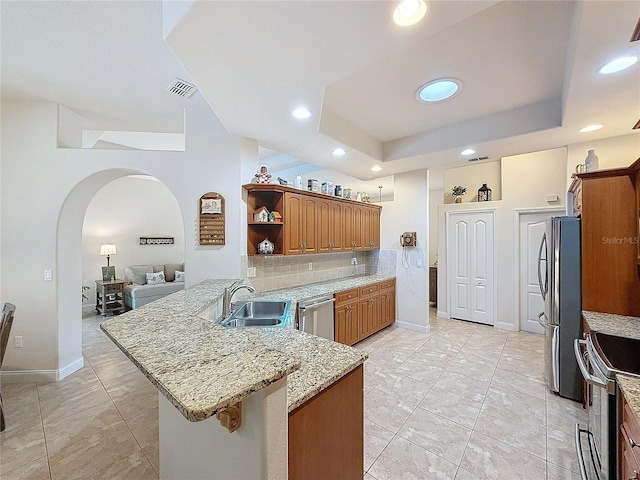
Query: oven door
x=593, y=443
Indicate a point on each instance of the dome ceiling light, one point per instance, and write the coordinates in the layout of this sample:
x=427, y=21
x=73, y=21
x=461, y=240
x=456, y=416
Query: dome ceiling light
x=338, y=152
x=619, y=64
x=301, y=113
x=376, y=168
x=409, y=12
x=591, y=128
x=468, y=151
x=438, y=90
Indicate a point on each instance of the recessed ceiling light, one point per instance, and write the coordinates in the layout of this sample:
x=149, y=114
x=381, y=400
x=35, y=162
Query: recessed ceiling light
x=438, y=90
x=409, y=12
x=468, y=151
x=591, y=128
x=376, y=168
x=338, y=152
x=302, y=113
x=618, y=64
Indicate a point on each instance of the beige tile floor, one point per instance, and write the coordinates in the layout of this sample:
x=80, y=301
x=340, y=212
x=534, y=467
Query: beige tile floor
x=462, y=402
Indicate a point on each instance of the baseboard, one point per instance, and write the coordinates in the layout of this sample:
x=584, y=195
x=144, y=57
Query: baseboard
x=41, y=376
x=72, y=367
x=413, y=326
x=442, y=314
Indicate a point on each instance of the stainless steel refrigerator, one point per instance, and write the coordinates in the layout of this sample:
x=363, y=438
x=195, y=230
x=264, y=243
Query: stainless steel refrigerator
x=560, y=284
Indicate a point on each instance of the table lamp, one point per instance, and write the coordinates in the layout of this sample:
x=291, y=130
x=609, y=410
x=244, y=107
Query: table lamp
x=108, y=249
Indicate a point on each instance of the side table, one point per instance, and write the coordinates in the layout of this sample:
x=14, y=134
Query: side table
x=110, y=297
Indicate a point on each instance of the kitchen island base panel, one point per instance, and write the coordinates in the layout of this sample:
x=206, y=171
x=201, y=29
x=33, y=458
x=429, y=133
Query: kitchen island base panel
x=326, y=434
x=206, y=449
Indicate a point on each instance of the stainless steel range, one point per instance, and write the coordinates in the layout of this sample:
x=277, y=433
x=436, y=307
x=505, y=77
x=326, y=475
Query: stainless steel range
x=600, y=357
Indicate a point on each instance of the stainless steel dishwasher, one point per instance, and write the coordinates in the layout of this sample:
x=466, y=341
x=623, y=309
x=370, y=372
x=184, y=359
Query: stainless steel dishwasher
x=315, y=316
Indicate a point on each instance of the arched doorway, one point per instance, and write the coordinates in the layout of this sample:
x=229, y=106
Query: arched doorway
x=69, y=265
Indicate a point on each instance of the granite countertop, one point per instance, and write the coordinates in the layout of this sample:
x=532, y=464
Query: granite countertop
x=621, y=326
x=202, y=368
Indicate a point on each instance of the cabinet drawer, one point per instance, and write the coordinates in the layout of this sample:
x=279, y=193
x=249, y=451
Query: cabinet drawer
x=346, y=296
x=113, y=288
x=387, y=285
x=369, y=290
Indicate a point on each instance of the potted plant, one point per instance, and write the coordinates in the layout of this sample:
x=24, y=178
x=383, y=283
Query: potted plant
x=457, y=191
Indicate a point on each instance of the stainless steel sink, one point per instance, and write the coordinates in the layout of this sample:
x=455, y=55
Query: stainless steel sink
x=260, y=309
x=252, y=322
x=258, y=313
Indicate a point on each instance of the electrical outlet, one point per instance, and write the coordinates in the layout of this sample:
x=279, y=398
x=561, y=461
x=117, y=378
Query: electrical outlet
x=419, y=263
x=310, y=265
x=18, y=341
x=251, y=272
x=354, y=261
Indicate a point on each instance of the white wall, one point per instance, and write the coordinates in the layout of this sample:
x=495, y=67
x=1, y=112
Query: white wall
x=526, y=182
x=409, y=211
x=612, y=152
x=472, y=176
x=120, y=213
x=436, y=198
x=45, y=193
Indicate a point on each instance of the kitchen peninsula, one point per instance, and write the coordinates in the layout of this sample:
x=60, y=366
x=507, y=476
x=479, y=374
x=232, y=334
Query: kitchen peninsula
x=203, y=369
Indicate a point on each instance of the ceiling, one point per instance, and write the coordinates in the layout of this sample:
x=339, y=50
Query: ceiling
x=529, y=73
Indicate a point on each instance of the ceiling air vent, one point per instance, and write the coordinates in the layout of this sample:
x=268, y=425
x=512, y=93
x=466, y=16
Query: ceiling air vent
x=181, y=88
x=477, y=159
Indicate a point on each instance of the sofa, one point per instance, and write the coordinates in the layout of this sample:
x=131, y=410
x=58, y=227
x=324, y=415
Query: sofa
x=146, y=283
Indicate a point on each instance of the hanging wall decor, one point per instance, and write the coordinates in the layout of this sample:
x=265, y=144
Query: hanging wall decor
x=157, y=240
x=211, y=213
x=484, y=193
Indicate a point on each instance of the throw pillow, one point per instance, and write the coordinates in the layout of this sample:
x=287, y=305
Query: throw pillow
x=179, y=276
x=170, y=269
x=139, y=272
x=155, y=278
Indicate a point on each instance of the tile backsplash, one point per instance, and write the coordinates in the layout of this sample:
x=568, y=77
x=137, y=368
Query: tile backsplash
x=274, y=272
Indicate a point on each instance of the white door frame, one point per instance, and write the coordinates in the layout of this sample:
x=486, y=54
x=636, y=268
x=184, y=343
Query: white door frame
x=516, y=249
x=447, y=215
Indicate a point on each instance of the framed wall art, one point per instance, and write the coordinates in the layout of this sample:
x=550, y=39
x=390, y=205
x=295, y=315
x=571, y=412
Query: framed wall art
x=211, y=215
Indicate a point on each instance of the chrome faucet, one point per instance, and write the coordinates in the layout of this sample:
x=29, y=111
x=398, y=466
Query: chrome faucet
x=228, y=295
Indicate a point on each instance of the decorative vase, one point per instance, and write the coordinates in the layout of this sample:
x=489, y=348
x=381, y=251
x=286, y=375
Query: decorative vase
x=458, y=200
x=592, y=162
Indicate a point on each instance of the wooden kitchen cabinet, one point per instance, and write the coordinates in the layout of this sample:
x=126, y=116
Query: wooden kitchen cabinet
x=629, y=442
x=361, y=312
x=300, y=214
x=312, y=222
x=347, y=317
x=326, y=434
x=329, y=226
x=638, y=209
x=609, y=213
x=387, y=303
x=258, y=231
x=369, y=309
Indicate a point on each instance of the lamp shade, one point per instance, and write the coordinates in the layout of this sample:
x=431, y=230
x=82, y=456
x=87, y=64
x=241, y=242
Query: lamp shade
x=108, y=249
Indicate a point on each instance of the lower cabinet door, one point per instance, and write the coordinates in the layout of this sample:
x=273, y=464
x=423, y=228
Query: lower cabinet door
x=347, y=323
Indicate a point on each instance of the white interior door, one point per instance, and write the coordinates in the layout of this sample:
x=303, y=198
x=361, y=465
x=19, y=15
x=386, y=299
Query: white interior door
x=471, y=266
x=531, y=227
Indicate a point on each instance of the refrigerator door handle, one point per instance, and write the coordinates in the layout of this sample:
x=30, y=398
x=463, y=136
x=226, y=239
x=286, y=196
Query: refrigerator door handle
x=543, y=286
x=541, y=322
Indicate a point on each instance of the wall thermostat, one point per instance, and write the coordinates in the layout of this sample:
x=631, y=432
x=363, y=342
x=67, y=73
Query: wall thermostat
x=408, y=239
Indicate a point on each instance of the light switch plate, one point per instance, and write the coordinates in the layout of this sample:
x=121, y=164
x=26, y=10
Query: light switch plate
x=48, y=275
